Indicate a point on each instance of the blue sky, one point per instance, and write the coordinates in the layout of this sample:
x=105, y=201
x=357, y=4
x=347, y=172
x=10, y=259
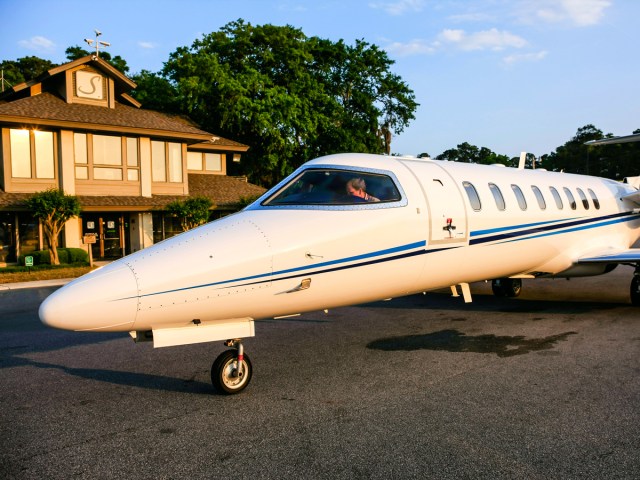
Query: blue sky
x=509, y=75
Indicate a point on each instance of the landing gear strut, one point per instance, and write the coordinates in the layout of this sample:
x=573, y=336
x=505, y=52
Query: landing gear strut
x=231, y=372
x=506, y=287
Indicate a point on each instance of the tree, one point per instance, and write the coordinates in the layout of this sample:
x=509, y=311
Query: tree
x=155, y=92
x=192, y=212
x=289, y=97
x=468, y=153
x=23, y=69
x=53, y=208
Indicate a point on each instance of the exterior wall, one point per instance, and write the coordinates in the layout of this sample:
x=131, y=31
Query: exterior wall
x=145, y=166
x=72, y=234
x=66, y=170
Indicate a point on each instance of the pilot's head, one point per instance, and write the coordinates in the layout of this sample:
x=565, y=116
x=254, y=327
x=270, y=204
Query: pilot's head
x=356, y=187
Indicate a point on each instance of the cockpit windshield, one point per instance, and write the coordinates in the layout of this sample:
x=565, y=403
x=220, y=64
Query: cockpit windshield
x=336, y=187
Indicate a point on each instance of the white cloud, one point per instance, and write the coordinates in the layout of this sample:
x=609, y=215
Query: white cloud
x=471, y=17
x=147, y=45
x=38, y=43
x=582, y=13
x=399, y=7
x=492, y=39
x=414, y=47
x=525, y=57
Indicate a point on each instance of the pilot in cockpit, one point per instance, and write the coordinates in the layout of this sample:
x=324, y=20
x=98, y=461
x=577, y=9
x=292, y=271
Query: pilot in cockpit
x=356, y=187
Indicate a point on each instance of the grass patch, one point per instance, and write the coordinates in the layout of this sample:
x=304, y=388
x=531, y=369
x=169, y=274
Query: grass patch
x=41, y=272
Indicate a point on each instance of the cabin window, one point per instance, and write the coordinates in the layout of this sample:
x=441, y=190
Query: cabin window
x=594, y=199
x=522, y=202
x=557, y=198
x=472, y=193
x=497, y=196
x=570, y=197
x=583, y=197
x=541, y=203
x=317, y=186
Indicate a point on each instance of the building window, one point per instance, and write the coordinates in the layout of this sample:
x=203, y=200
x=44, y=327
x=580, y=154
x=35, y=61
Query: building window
x=100, y=157
x=204, y=162
x=32, y=154
x=166, y=162
x=133, y=160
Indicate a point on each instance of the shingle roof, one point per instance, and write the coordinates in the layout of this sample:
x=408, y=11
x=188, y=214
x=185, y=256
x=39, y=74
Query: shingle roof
x=222, y=190
x=47, y=108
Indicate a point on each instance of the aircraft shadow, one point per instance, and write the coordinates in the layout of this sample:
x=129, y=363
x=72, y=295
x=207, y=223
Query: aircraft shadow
x=489, y=303
x=128, y=379
x=455, y=341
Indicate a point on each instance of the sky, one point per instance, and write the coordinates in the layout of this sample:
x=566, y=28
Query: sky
x=509, y=75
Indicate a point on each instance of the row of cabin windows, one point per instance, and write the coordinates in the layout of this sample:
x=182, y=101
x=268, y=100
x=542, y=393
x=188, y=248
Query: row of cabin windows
x=476, y=204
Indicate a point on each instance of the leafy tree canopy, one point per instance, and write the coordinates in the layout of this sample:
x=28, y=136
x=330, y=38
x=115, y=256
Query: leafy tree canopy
x=23, y=69
x=468, y=153
x=614, y=161
x=53, y=207
x=192, y=212
x=289, y=97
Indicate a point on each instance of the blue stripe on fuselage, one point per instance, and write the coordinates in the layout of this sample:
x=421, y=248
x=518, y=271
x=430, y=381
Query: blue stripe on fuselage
x=379, y=256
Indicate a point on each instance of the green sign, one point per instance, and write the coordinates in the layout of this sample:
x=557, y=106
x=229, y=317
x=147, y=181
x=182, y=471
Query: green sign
x=28, y=261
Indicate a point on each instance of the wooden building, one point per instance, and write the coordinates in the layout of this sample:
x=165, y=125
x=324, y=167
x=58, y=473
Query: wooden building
x=77, y=128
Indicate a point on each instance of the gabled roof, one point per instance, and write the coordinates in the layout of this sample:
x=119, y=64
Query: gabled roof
x=123, y=83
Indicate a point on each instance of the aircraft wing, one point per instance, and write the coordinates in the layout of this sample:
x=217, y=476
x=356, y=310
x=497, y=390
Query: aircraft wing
x=625, y=256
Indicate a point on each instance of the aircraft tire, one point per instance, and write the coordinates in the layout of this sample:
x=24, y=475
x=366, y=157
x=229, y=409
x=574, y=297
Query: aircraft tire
x=222, y=369
x=635, y=290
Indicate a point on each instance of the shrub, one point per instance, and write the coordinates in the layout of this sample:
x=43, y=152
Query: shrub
x=66, y=255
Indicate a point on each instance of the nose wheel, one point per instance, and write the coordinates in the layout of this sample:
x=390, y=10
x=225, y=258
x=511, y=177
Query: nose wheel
x=231, y=371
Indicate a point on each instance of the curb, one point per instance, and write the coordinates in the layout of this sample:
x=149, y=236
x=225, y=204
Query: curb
x=56, y=282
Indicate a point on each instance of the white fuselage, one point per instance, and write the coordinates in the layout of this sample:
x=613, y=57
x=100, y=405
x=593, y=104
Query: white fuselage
x=276, y=260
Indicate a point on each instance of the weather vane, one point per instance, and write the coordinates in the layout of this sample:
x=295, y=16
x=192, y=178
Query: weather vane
x=98, y=43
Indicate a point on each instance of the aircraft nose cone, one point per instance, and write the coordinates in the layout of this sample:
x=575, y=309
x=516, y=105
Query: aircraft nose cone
x=104, y=300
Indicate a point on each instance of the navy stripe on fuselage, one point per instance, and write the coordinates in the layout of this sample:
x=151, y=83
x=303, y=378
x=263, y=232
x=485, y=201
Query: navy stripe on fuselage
x=543, y=229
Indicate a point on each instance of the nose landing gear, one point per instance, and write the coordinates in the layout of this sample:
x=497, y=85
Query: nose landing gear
x=231, y=372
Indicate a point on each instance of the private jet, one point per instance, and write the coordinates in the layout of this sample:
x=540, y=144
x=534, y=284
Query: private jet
x=351, y=228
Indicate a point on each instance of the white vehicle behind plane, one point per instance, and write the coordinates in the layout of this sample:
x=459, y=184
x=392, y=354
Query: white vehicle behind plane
x=307, y=245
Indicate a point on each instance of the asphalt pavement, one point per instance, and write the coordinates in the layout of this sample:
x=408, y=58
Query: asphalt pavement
x=539, y=387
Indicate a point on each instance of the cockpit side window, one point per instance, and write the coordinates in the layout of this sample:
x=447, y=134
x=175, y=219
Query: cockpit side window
x=336, y=187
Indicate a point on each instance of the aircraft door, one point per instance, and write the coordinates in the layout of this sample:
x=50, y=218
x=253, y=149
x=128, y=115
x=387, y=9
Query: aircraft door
x=447, y=211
